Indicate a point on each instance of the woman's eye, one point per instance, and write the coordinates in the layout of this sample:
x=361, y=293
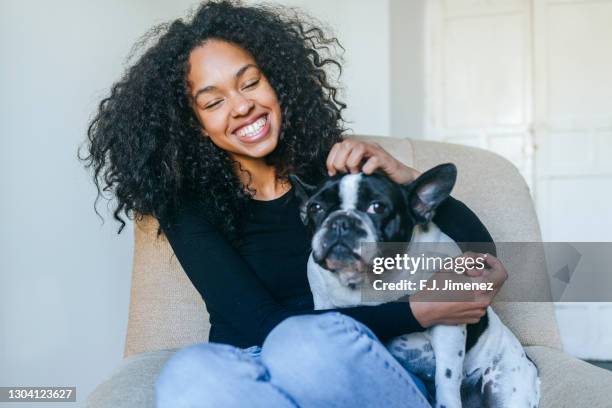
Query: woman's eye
x=213, y=104
x=376, y=208
x=251, y=84
x=314, y=208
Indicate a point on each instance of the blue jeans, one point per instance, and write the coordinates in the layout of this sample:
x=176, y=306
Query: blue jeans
x=327, y=360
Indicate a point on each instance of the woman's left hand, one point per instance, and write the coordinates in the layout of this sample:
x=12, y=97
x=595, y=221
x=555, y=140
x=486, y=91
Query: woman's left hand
x=352, y=156
x=494, y=271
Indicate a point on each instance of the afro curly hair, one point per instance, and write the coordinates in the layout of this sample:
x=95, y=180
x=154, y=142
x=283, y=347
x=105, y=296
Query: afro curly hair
x=145, y=143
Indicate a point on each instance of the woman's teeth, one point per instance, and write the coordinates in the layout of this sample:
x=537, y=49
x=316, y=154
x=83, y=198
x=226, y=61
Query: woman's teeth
x=253, y=128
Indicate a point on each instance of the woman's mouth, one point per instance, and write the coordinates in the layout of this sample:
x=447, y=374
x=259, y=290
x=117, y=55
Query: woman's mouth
x=255, y=131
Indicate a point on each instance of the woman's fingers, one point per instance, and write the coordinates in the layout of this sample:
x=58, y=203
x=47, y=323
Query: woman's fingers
x=475, y=264
x=475, y=312
x=430, y=313
x=470, y=307
x=336, y=160
x=349, y=156
x=339, y=163
x=371, y=165
x=492, y=272
x=331, y=170
x=497, y=273
x=380, y=159
x=355, y=156
x=492, y=261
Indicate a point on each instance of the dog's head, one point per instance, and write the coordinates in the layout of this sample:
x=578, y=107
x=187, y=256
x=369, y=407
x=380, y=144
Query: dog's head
x=347, y=210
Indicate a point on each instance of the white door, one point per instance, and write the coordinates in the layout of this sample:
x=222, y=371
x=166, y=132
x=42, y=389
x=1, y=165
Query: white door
x=532, y=81
x=479, y=77
x=573, y=132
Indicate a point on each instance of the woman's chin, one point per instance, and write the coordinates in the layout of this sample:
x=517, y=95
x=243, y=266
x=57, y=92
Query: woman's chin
x=260, y=149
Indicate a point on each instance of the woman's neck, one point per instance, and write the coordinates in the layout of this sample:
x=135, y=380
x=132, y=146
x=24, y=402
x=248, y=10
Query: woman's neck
x=263, y=179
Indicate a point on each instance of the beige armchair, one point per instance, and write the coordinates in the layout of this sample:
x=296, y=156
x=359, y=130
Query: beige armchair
x=167, y=313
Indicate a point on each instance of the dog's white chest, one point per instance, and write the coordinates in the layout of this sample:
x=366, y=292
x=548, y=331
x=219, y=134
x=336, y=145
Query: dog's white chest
x=327, y=292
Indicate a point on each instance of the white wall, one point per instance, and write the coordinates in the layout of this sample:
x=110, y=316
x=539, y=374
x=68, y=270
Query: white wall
x=64, y=277
x=407, y=68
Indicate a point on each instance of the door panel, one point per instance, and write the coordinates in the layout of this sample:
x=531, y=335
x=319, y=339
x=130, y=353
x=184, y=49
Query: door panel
x=530, y=80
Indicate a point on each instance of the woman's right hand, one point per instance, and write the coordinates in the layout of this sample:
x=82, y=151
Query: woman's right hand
x=430, y=313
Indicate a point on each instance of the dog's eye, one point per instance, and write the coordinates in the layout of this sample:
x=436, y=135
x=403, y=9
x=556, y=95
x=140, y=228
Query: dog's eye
x=314, y=208
x=376, y=208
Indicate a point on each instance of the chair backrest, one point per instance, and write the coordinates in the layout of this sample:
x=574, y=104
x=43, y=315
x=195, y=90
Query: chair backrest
x=167, y=312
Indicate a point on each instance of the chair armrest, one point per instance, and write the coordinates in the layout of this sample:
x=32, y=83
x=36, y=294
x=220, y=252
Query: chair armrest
x=132, y=384
x=568, y=382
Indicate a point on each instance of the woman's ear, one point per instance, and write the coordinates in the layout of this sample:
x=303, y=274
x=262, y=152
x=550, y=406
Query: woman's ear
x=425, y=194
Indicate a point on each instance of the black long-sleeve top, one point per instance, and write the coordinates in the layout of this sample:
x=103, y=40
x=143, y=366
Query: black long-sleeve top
x=249, y=289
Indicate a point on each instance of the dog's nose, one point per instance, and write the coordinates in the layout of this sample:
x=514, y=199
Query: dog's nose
x=342, y=224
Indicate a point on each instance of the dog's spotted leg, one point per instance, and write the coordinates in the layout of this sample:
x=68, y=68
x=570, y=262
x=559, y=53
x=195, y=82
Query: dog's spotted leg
x=448, y=344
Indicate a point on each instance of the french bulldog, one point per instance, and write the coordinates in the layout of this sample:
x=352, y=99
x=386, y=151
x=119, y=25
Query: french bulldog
x=476, y=365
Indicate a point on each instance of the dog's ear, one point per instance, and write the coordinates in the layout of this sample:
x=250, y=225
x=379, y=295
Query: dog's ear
x=426, y=193
x=303, y=191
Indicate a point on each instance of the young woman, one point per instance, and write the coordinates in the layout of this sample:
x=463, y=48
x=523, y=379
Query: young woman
x=201, y=133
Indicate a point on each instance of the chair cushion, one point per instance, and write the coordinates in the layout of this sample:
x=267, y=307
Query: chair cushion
x=132, y=384
x=568, y=382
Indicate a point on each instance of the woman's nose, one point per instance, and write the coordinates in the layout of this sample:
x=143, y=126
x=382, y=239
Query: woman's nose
x=241, y=105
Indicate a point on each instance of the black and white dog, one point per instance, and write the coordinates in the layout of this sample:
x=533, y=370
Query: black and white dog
x=483, y=365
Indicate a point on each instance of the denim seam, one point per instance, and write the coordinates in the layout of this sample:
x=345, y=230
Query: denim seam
x=239, y=355
x=282, y=392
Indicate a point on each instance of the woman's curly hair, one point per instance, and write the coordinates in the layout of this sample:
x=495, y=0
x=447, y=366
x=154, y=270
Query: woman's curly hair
x=146, y=145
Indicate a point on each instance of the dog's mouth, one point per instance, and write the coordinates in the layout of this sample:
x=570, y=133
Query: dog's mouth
x=352, y=279
x=338, y=255
x=346, y=263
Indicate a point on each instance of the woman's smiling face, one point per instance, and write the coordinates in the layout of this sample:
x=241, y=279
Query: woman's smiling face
x=233, y=100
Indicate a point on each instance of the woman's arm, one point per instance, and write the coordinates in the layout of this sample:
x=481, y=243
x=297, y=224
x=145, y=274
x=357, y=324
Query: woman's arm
x=232, y=291
x=457, y=221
